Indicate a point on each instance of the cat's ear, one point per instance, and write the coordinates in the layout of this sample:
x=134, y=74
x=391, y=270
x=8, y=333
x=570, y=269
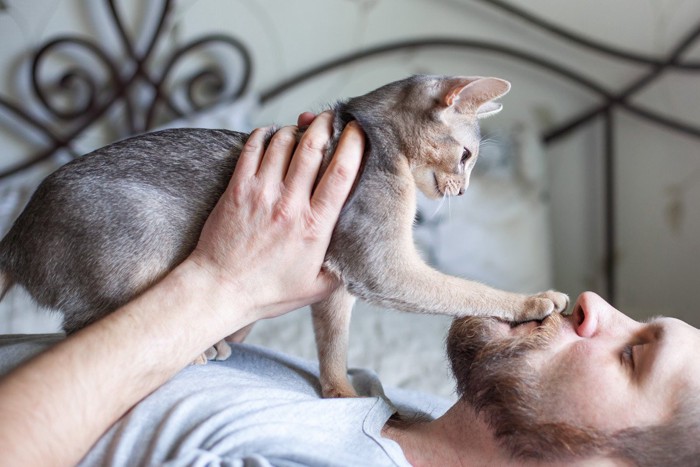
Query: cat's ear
x=488, y=109
x=474, y=95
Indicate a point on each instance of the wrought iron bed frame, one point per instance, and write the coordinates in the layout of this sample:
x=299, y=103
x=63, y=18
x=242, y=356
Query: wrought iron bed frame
x=99, y=95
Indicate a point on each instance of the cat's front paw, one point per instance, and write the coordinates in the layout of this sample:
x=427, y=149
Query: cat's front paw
x=560, y=300
x=541, y=305
x=534, y=308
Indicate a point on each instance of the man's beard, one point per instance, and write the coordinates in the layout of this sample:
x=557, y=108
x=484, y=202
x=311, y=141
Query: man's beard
x=494, y=376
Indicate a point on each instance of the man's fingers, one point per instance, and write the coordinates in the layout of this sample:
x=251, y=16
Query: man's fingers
x=251, y=155
x=337, y=181
x=278, y=154
x=304, y=167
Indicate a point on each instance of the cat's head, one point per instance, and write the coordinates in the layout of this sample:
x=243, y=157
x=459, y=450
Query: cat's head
x=449, y=137
x=435, y=120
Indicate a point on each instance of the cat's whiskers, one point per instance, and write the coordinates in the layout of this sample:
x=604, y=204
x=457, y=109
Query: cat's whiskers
x=449, y=209
x=442, y=201
x=488, y=142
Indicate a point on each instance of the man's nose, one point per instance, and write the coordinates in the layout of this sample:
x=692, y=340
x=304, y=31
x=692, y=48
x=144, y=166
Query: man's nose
x=587, y=314
x=592, y=315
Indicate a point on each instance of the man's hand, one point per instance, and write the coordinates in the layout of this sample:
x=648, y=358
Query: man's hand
x=266, y=239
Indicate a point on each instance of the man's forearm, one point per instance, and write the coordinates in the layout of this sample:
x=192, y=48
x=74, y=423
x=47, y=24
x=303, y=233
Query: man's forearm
x=53, y=408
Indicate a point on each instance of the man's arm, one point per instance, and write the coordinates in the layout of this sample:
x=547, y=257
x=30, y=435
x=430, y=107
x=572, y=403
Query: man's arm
x=259, y=256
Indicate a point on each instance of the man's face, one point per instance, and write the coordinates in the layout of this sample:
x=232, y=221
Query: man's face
x=596, y=369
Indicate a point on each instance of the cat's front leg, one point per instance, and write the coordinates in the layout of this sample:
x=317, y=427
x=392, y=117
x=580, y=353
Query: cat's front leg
x=331, y=319
x=406, y=283
x=374, y=251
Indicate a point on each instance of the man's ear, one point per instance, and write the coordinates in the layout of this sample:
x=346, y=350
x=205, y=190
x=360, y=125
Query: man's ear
x=474, y=95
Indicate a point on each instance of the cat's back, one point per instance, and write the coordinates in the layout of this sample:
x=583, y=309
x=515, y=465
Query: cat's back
x=152, y=186
x=177, y=167
x=157, y=158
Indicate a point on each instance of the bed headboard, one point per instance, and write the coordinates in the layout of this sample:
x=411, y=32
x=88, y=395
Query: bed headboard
x=135, y=93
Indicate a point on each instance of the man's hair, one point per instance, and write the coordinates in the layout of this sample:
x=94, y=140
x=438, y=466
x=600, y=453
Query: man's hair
x=494, y=380
x=673, y=443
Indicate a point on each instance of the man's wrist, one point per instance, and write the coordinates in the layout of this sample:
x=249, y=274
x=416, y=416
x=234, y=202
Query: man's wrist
x=222, y=299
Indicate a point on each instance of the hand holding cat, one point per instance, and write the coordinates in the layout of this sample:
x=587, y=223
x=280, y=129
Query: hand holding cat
x=266, y=239
x=263, y=244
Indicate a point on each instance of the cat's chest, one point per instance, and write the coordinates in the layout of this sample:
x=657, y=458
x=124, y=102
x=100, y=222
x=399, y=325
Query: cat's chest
x=382, y=201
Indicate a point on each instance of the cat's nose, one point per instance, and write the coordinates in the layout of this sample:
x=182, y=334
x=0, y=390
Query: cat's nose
x=461, y=192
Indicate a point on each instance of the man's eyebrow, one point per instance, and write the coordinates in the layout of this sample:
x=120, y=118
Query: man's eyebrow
x=652, y=319
x=654, y=331
x=655, y=327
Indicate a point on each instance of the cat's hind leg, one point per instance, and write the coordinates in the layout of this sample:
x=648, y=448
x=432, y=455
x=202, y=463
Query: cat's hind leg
x=331, y=319
x=219, y=351
x=240, y=335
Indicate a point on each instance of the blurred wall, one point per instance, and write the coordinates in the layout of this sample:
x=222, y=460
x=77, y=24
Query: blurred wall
x=658, y=171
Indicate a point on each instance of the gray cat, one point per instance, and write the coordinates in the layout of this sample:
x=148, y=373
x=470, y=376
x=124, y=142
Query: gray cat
x=108, y=225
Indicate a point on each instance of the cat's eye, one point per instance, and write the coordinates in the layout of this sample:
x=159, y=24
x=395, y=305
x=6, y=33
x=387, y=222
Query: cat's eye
x=466, y=155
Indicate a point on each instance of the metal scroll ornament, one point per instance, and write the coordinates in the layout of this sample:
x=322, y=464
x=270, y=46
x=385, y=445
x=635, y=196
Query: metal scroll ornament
x=129, y=94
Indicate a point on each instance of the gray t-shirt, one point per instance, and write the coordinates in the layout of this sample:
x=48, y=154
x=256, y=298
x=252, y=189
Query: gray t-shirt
x=258, y=408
